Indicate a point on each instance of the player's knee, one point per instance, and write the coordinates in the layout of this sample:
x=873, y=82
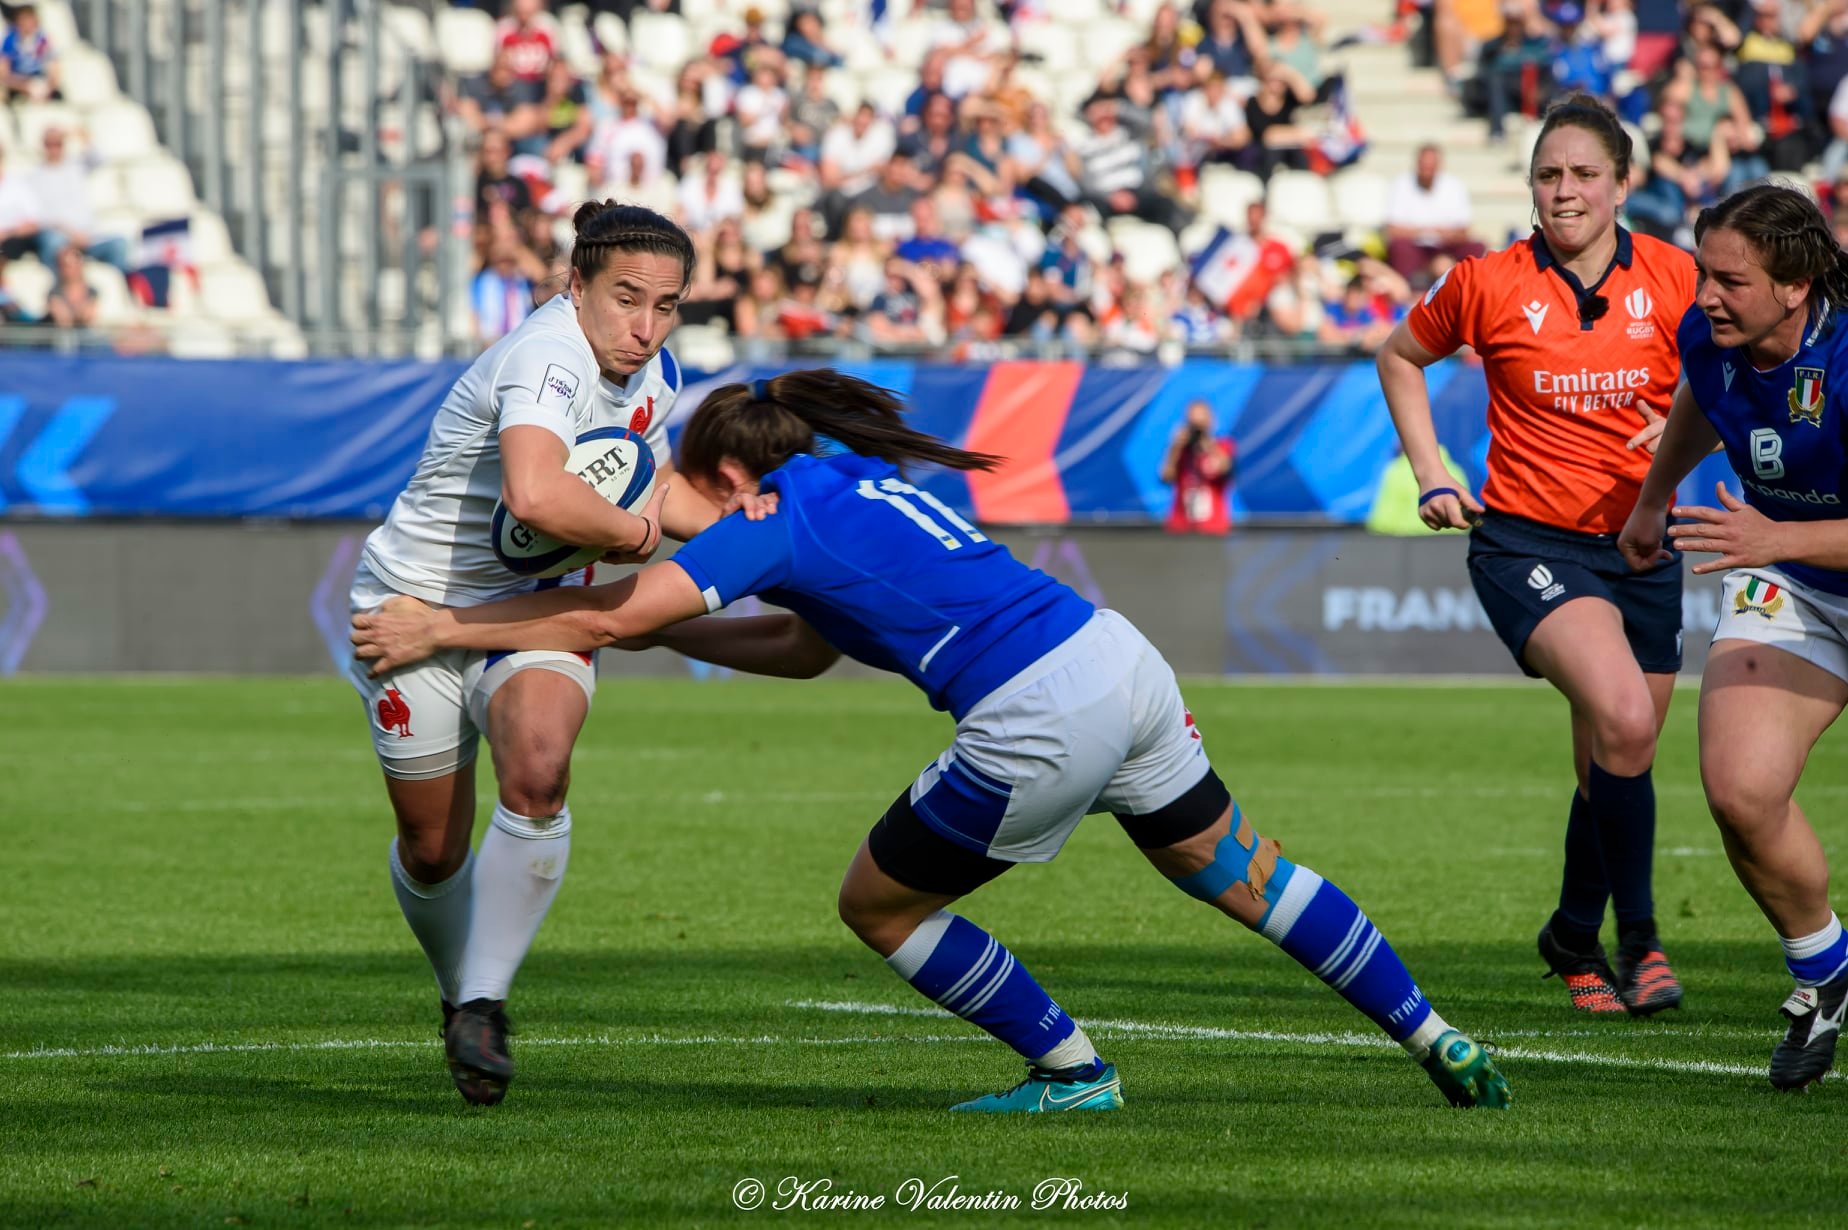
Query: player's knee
x=535, y=789
x=1741, y=802
x=1626, y=736
x=877, y=929
x=428, y=857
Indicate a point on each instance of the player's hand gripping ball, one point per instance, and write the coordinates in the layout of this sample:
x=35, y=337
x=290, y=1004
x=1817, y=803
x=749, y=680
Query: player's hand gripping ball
x=618, y=465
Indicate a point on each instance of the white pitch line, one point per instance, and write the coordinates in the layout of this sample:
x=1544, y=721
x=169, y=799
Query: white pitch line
x=1149, y=1029
x=397, y=1044
x=1103, y=1028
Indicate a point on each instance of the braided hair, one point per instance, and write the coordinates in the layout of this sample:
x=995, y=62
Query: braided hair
x=1793, y=240
x=604, y=227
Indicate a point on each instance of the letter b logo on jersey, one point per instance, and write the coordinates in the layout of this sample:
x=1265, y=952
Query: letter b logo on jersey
x=1767, y=453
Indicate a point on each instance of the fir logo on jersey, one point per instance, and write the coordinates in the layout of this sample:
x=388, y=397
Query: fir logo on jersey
x=1758, y=597
x=1806, y=398
x=1536, y=314
x=395, y=713
x=638, y=422
x=558, y=385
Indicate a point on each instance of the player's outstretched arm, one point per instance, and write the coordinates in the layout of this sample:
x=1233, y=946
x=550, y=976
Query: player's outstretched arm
x=579, y=619
x=781, y=645
x=1686, y=438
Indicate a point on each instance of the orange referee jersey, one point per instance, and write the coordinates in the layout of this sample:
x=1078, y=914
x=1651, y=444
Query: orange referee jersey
x=1564, y=392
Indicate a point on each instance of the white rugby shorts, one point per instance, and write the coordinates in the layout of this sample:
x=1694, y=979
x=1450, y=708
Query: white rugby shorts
x=1097, y=724
x=427, y=718
x=1764, y=605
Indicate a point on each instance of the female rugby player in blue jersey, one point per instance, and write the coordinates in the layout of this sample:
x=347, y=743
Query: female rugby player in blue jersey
x=1061, y=709
x=1765, y=356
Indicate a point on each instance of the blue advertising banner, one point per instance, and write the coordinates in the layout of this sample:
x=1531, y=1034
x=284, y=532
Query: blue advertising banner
x=132, y=437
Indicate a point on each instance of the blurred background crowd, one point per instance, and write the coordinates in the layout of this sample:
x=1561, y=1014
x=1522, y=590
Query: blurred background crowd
x=972, y=178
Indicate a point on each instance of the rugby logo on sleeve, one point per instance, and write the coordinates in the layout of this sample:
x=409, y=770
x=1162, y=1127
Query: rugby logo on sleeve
x=557, y=387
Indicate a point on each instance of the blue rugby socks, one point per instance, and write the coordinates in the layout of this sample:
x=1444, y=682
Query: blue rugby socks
x=1583, y=889
x=1623, y=811
x=961, y=967
x=1318, y=925
x=1820, y=957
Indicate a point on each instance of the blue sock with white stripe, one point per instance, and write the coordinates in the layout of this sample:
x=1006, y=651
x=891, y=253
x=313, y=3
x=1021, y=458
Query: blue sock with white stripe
x=1321, y=927
x=1819, y=958
x=961, y=967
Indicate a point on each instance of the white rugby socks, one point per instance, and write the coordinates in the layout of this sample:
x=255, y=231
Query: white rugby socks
x=439, y=918
x=517, y=872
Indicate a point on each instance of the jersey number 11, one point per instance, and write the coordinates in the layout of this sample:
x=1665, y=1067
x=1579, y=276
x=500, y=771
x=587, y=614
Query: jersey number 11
x=899, y=495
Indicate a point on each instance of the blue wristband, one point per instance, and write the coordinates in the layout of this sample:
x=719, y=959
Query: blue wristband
x=1432, y=494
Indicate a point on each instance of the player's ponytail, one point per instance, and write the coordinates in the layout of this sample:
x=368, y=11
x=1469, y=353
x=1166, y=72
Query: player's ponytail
x=604, y=227
x=1792, y=239
x=764, y=423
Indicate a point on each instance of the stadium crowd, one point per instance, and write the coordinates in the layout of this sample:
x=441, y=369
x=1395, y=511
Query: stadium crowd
x=979, y=216
x=976, y=215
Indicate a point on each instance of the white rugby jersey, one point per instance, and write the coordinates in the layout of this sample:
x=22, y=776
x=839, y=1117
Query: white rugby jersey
x=435, y=543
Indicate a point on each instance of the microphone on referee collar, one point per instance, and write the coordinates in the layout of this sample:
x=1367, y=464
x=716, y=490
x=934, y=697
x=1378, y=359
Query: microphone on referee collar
x=1592, y=309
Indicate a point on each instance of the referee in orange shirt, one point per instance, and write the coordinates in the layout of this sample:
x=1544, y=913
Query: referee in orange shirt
x=1576, y=330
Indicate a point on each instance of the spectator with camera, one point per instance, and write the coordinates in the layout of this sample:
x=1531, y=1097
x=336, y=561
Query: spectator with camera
x=1199, y=466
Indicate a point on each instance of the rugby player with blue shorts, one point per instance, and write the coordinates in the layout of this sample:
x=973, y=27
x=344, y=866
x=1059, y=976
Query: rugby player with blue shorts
x=1765, y=355
x=1061, y=709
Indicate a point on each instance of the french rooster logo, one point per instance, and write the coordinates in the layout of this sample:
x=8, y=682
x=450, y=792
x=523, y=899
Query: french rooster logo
x=395, y=713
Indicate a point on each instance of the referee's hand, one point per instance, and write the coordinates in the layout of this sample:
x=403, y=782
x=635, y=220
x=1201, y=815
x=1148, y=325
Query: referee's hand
x=1449, y=508
x=1651, y=434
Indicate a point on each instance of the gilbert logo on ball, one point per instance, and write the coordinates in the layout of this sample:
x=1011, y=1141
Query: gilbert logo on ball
x=617, y=464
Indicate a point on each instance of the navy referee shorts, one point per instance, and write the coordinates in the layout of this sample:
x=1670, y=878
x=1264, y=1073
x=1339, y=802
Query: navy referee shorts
x=1523, y=571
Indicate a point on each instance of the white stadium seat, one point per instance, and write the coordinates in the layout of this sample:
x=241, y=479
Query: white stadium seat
x=610, y=32
x=574, y=44
x=1299, y=199
x=200, y=339
x=465, y=39
x=122, y=130
x=87, y=78
x=410, y=29
x=1225, y=191
x=660, y=40
x=1148, y=250
x=160, y=188
x=1104, y=42
x=114, y=305
x=58, y=23
x=30, y=283
x=211, y=239
x=232, y=291
x=1360, y=199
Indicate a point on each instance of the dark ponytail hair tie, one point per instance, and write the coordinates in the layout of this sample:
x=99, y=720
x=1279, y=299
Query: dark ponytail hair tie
x=760, y=391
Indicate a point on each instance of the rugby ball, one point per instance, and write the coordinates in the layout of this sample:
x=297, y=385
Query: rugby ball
x=618, y=465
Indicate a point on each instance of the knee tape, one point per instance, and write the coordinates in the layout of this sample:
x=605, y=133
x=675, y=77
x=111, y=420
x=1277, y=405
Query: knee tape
x=1241, y=857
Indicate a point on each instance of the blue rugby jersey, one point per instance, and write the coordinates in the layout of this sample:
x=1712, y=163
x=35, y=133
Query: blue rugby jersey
x=890, y=576
x=1785, y=430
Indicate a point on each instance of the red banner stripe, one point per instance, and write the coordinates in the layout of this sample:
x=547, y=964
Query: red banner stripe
x=1023, y=409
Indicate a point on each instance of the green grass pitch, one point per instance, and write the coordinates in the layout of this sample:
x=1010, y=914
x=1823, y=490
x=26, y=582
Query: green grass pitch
x=211, y=1013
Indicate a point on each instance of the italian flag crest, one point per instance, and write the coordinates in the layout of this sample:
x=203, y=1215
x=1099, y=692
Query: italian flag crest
x=1759, y=597
x=1806, y=398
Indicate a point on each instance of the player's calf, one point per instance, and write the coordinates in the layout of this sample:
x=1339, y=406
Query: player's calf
x=1311, y=919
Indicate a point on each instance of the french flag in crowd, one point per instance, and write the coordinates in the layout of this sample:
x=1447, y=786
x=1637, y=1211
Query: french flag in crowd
x=1236, y=272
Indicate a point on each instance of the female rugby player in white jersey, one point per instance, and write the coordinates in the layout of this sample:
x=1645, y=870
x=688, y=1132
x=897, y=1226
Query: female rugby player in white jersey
x=588, y=359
